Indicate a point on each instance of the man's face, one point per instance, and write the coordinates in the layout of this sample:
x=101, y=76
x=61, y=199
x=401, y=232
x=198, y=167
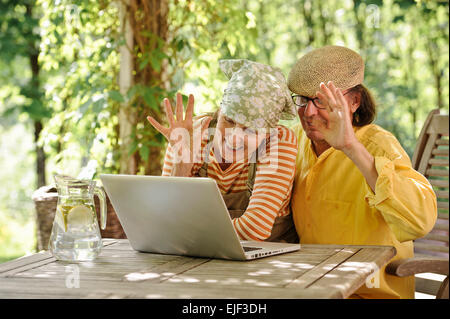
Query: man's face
x=307, y=114
x=311, y=111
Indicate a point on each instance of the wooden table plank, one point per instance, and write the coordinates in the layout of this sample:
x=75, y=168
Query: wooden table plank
x=163, y=267
x=323, y=268
x=165, y=271
x=352, y=273
x=32, y=261
x=316, y=271
x=50, y=288
x=23, y=262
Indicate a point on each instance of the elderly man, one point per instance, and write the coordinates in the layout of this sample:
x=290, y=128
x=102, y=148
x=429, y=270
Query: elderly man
x=354, y=183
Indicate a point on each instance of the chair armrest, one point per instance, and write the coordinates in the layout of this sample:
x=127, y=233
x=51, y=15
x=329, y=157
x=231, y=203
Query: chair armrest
x=411, y=266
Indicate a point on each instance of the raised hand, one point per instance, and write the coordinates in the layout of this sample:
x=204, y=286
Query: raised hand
x=180, y=133
x=338, y=130
x=179, y=122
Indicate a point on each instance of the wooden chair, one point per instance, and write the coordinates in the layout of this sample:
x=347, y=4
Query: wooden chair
x=431, y=158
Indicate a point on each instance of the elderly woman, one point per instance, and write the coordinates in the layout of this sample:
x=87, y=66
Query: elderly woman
x=249, y=155
x=354, y=183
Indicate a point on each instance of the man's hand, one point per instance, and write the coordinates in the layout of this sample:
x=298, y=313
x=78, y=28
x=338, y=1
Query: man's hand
x=338, y=130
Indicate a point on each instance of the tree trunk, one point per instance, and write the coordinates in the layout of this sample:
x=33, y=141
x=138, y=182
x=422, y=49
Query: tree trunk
x=437, y=74
x=159, y=10
x=411, y=80
x=264, y=31
x=360, y=26
x=40, y=155
x=324, y=16
x=127, y=118
x=33, y=55
x=147, y=18
x=307, y=13
x=37, y=123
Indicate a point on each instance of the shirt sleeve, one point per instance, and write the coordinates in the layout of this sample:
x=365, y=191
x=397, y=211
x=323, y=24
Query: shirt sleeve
x=168, y=162
x=271, y=190
x=403, y=196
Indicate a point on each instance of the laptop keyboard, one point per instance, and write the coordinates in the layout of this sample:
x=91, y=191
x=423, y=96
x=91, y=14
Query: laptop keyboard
x=250, y=248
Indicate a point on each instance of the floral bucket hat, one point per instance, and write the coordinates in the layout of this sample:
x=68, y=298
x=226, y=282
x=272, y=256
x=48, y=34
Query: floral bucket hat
x=257, y=95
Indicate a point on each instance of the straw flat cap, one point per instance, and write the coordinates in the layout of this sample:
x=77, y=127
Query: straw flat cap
x=334, y=63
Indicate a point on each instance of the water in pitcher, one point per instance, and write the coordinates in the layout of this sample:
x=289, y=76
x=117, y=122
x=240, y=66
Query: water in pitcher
x=76, y=234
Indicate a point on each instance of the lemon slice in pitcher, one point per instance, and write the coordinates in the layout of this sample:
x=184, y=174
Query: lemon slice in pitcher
x=79, y=215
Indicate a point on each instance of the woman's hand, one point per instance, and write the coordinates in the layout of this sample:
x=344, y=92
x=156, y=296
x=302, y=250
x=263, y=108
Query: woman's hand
x=338, y=130
x=179, y=122
x=180, y=133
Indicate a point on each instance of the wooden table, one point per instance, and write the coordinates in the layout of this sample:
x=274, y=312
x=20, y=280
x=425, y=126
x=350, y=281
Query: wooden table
x=316, y=271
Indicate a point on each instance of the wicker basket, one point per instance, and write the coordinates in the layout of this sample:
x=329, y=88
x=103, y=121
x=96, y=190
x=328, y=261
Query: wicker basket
x=45, y=200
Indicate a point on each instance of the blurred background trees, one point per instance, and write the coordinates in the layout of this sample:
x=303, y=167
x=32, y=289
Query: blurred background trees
x=78, y=78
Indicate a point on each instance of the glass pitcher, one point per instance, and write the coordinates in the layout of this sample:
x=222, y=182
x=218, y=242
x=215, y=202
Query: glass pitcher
x=75, y=233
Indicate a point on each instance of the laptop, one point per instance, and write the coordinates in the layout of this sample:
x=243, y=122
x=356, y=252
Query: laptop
x=181, y=216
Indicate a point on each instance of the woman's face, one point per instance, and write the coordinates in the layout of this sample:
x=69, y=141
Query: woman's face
x=234, y=141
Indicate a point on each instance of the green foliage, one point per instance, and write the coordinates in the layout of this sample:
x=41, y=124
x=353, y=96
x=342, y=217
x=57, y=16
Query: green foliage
x=397, y=39
x=16, y=239
x=16, y=207
x=214, y=30
x=80, y=57
x=79, y=40
x=19, y=36
x=17, y=29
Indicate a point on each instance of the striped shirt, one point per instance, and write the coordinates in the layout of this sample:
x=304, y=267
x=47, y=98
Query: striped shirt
x=272, y=188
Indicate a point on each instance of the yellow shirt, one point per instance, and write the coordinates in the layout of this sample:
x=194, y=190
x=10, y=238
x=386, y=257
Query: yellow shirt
x=333, y=204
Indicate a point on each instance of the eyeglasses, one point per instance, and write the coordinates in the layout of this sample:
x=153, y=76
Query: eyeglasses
x=302, y=101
